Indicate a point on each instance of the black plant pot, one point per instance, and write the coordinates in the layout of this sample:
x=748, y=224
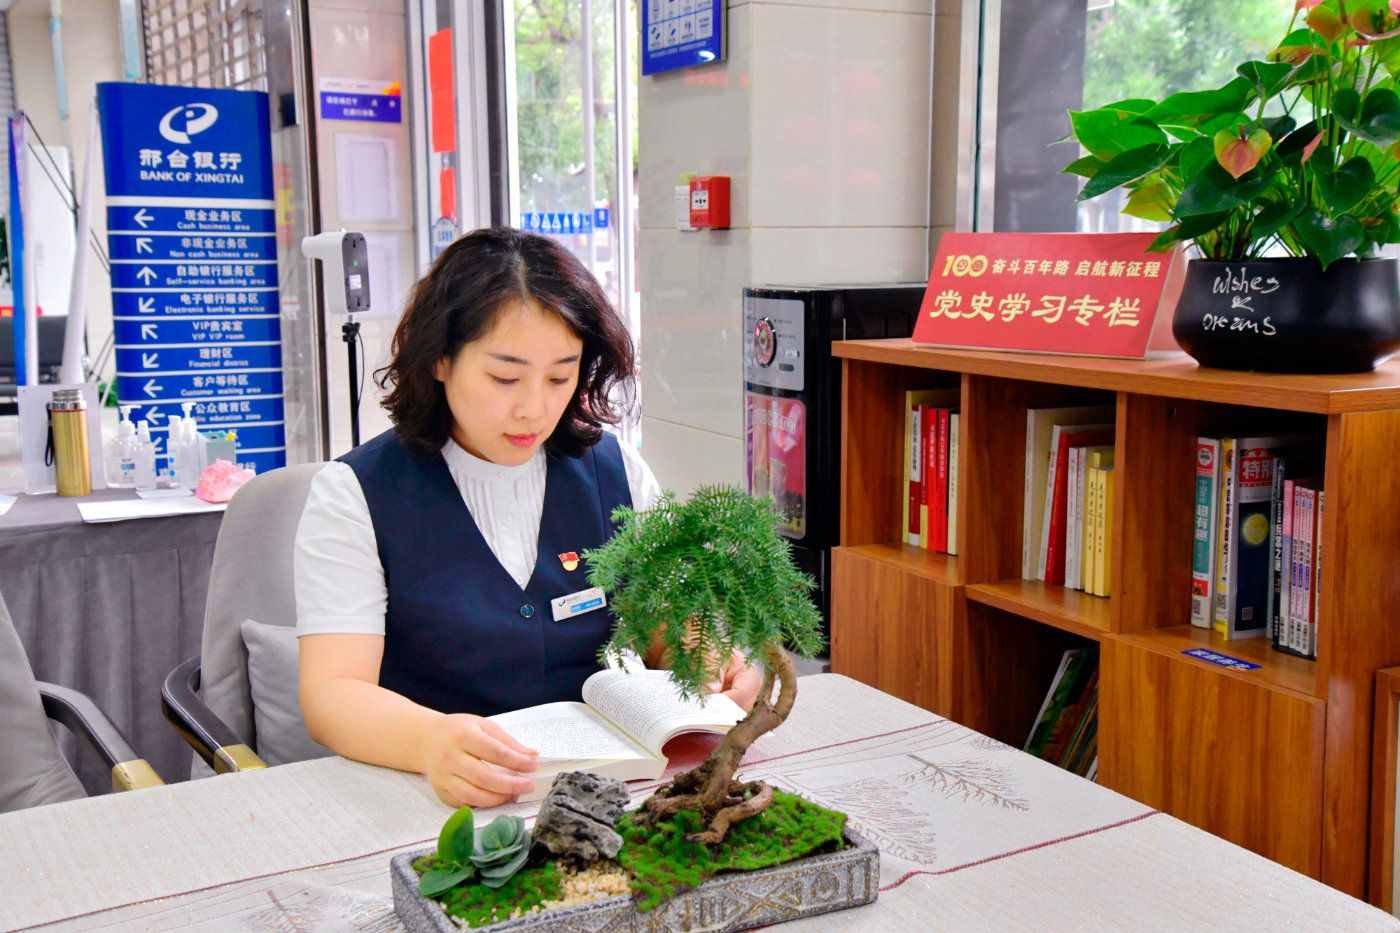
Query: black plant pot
x=1289, y=315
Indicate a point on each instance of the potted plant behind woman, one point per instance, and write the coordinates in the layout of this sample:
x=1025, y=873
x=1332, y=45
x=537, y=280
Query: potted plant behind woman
x=1286, y=180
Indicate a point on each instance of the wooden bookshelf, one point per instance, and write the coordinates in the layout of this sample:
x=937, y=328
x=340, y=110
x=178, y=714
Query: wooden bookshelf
x=1278, y=759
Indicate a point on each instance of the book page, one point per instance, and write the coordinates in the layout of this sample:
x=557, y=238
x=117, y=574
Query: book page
x=567, y=732
x=648, y=707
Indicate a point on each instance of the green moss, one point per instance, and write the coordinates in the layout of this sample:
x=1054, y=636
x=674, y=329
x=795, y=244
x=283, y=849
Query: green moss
x=664, y=863
x=479, y=905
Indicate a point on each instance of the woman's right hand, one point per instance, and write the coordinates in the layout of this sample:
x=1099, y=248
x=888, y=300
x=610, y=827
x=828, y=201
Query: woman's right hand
x=471, y=761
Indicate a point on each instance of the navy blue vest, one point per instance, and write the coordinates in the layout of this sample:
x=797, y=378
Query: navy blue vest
x=461, y=636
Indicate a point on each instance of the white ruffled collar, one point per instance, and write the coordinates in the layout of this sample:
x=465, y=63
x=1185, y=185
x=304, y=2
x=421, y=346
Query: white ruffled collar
x=464, y=465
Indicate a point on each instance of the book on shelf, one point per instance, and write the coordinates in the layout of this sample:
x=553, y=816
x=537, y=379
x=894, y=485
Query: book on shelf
x=619, y=729
x=1103, y=568
x=1040, y=424
x=1098, y=482
x=1081, y=516
x=1245, y=575
x=954, y=441
x=1203, y=542
x=936, y=481
x=913, y=511
x=1225, y=506
x=1303, y=555
x=1051, y=561
x=1066, y=727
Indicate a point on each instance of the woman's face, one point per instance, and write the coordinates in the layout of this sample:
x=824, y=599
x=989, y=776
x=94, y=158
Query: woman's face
x=508, y=388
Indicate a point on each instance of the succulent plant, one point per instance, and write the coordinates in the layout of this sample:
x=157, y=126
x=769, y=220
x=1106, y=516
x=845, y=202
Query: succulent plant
x=454, y=855
x=500, y=850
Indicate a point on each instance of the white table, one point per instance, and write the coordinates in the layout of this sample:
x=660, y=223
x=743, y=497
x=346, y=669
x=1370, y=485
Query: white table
x=973, y=836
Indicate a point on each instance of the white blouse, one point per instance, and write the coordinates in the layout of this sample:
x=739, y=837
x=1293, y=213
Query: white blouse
x=339, y=580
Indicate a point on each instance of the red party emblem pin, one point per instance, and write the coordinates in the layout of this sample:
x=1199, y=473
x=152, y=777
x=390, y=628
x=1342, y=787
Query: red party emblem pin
x=570, y=560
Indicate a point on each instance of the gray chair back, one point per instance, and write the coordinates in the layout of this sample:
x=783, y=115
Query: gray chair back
x=32, y=769
x=251, y=578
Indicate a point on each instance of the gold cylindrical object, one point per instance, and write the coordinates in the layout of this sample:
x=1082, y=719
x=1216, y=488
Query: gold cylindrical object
x=68, y=422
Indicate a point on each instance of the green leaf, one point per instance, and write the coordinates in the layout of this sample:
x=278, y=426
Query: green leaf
x=1326, y=239
x=1189, y=229
x=499, y=875
x=1226, y=121
x=1192, y=108
x=1127, y=167
x=1268, y=78
x=1273, y=218
x=456, y=837
x=1087, y=167
x=1343, y=189
x=1346, y=105
x=1195, y=157
x=1210, y=192
x=1279, y=127
x=1107, y=133
x=1380, y=117
x=1290, y=149
x=437, y=880
x=1152, y=200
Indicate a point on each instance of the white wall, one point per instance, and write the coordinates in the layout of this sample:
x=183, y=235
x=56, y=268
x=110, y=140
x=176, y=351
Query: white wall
x=821, y=117
x=363, y=39
x=91, y=53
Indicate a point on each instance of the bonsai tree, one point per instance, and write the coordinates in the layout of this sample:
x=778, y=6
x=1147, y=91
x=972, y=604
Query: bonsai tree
x=1300, y=151
x=701, y=579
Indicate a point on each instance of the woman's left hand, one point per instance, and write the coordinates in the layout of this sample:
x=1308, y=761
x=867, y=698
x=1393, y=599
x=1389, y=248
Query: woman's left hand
x=740, y=681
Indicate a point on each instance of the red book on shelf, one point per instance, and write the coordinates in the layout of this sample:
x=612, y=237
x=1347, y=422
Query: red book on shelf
x=928, y=419
x=1059, y=500
x=938, y=485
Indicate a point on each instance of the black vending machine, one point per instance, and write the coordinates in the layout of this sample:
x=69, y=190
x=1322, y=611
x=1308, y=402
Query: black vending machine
x=792, y=403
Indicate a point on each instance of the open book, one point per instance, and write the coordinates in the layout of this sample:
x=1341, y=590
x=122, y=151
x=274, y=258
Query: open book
x=618, y=730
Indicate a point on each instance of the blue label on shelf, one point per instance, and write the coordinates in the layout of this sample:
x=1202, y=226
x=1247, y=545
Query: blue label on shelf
x=191, y=234
x=1223, y=660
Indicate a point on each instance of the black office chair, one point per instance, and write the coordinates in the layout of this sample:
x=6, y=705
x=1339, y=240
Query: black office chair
x=33, y=771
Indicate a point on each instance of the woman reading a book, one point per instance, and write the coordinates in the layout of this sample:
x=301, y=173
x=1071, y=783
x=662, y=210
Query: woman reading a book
x=437, y=567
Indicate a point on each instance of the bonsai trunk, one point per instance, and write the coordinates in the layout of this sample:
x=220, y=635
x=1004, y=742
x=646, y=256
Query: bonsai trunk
x=711, y=789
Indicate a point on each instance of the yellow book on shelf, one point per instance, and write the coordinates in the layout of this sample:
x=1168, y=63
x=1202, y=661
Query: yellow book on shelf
x=1090, y=518
x=1106, y=589
x=1100, y=551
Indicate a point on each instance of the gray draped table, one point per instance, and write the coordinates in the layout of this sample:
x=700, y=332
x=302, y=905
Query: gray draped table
x=109, y=609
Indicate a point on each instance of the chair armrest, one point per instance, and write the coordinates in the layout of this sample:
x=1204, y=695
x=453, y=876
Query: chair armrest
x=82, y=717
x=211, y=738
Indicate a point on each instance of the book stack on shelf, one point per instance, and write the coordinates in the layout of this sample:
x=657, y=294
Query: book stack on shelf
x=1068, y=498
x=1066, y=728
x=1257, y=550
x=930, y=491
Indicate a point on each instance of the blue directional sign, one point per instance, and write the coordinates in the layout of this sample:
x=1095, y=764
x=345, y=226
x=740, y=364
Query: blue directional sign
x=192, y=235
x=681, y=33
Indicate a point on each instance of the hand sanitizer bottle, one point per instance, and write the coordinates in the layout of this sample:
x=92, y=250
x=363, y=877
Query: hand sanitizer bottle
x=191, y=448
x=119, y=455
x=145, y=457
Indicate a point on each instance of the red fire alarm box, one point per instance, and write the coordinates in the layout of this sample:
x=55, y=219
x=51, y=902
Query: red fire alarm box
x=709, y=202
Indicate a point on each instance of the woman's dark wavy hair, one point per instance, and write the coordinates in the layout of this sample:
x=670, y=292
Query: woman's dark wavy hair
x=458, y=301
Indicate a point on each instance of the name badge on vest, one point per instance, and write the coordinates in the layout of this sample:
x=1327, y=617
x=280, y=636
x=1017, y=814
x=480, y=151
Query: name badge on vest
x=576, y=604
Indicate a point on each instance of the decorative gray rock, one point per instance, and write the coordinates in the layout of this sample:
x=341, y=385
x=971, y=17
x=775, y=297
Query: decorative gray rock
x=577, y=817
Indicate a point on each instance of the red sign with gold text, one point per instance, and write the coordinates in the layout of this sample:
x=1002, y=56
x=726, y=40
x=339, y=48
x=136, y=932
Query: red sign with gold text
x=1088, y=294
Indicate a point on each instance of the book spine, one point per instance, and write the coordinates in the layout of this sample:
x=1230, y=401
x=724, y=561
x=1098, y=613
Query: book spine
x=1295, y=582
x=1086, y=530
x=940, y=485
x=1061, y=689
x=1040, y=716
x=1250, y=550
x=1028, y=501
x=1106, y=588
x=1276, y=549
x=954, y=441
x=904, y=491
x=1223, y=605
x=1072, y=520
x=1042, y=553
x=927, y=418
x=1311, y=643
x=1203, y=543
x=1100, y=544
x=1303, y=526
x=1286, y=562
x=916, y=458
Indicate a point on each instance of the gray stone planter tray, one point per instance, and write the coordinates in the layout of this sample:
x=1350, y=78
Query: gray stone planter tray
x=736, y=901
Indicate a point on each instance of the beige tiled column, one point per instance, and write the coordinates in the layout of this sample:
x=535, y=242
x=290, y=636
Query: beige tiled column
x=821, y=116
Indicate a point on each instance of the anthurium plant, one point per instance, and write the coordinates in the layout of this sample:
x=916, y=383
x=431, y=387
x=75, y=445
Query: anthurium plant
x=1299, y=151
